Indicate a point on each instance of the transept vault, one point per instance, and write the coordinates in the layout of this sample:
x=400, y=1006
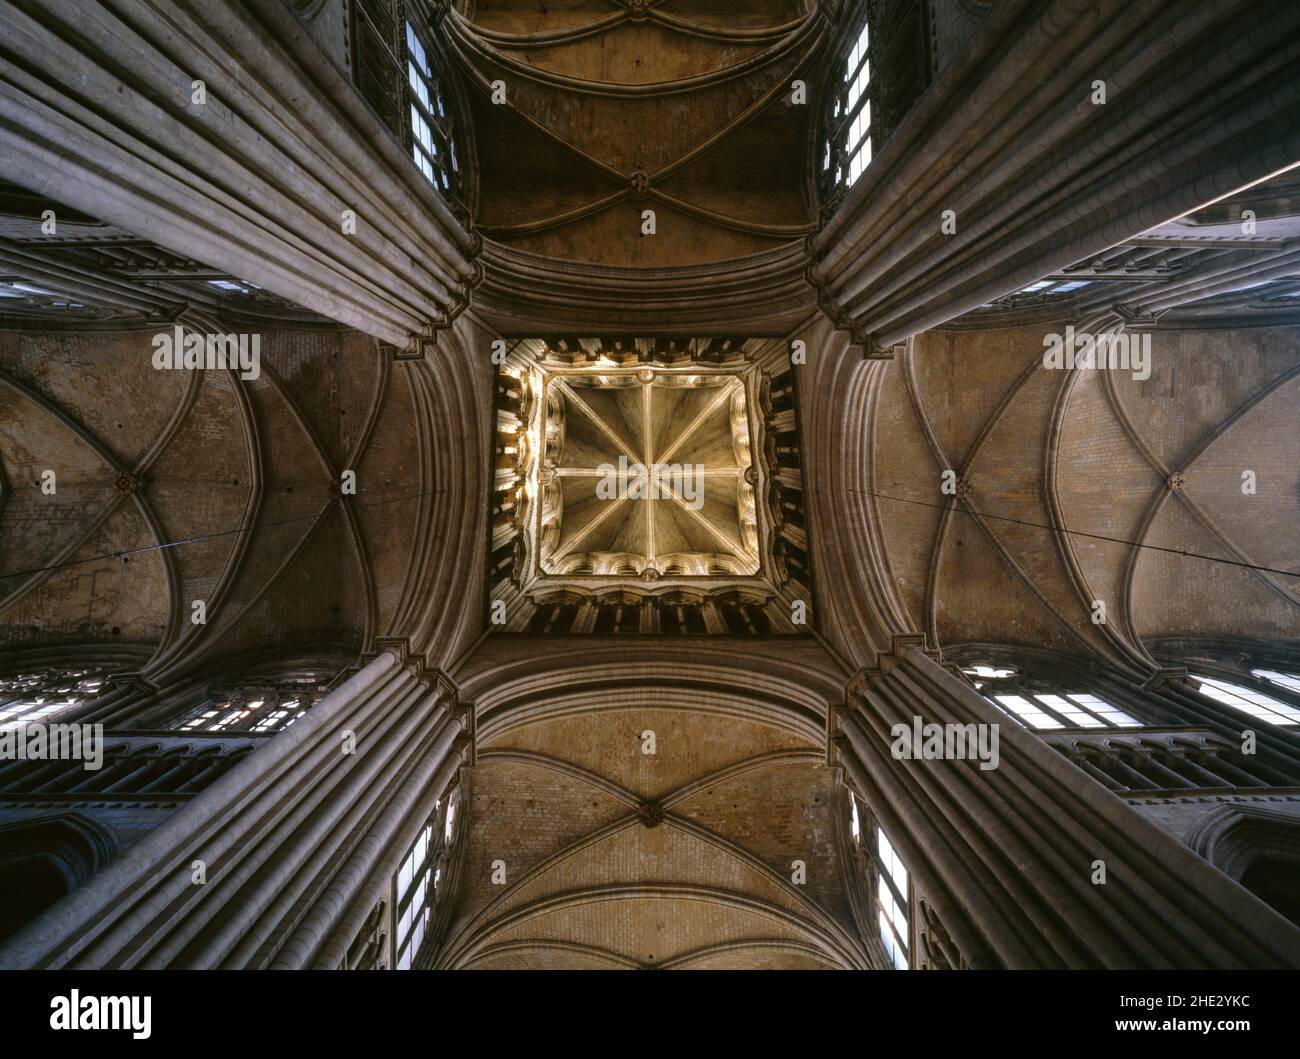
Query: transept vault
x=488, y=483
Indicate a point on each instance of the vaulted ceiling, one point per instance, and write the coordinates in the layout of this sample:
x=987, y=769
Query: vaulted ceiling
x=1150, y=478
x=614, y=856
x=681, y=503
x=1137, y=472
x=239, y=479
x=684, y=107
x=653, y=826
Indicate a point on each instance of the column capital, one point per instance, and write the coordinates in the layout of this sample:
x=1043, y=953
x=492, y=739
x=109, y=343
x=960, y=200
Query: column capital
x=467, y=741
x=886, y=661
x=413, y=660
x=1166, y=676
x=134, y=681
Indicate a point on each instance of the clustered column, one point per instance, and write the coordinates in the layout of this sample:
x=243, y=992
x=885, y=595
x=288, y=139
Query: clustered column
x=278, y=862
x=1009, y=857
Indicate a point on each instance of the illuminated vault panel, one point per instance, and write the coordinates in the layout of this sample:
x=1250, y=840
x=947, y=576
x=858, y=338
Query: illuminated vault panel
x=647, y=474
x=648, y=486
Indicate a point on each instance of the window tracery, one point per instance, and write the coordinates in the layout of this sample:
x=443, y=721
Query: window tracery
x=422, y=878
x=1290, y=681
x=265, y=705
x=888, y=884
x=893, y=897
x=847, y=147
x=399, y=70
x=376, y=47
x=1253, y=701
x=885, y=63
x=1045, y=706
x=433, y=144
x=39, y=695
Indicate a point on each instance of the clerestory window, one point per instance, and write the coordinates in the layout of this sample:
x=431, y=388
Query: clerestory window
x=1290, y=681
x=433, y=145
x=888, y=881
x=41, y=695
x=1046, y=710
x=892, y=897
x=847, y=145
x=262, y=706
x=422, y=878
x=1252, y=701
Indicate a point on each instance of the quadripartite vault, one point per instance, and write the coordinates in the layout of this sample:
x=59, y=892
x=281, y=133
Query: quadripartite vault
x=641, y=475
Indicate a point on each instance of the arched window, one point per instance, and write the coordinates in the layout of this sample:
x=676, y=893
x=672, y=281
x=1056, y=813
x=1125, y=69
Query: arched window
x=883, y=65
x=1257, y=846
x=893, y=897
x=433, y=143
x=375, y=32
x=1290, y=681
x=258, y=703
x=40, y=695
x=1252, y=701
x=888, y=883
x=1044, y=705
x=398, y=70
x=847, y=143
x=421, y=879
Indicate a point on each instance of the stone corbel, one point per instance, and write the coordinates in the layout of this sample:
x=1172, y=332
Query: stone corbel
x=464, y=289
x=858, y=334
x=859, y=682
x=464, y=746
x=871, y=348
x=835, y=749
x=444, y=320
x=447, y=688
x=171, y=313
